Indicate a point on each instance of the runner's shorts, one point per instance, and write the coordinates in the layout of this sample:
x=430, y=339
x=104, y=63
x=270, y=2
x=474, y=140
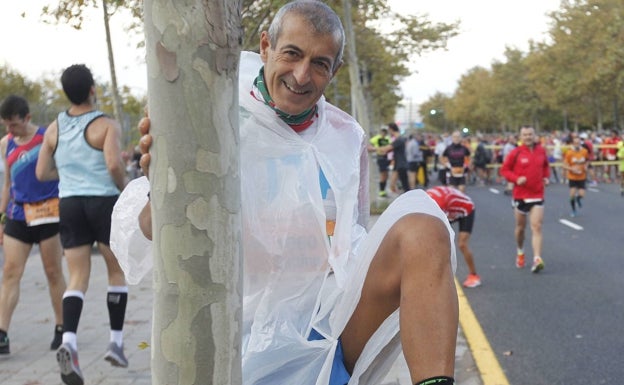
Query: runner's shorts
x=85, y=220
x=30, y=234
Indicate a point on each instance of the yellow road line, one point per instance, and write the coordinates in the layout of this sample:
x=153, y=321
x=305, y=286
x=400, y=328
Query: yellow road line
x=485, y=359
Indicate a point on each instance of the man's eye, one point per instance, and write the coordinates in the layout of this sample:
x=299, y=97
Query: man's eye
x=322, y=66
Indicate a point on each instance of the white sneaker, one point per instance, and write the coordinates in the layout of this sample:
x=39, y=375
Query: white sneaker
x=115, y=355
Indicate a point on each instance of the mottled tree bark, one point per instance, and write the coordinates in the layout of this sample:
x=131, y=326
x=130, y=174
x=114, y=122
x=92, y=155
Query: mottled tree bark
x=193, y=50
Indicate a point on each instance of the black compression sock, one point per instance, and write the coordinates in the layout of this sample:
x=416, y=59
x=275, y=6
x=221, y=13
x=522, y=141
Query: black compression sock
x=72, y=307
x=116, y=302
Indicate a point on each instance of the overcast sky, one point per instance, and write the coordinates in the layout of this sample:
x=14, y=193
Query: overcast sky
x=487, y=26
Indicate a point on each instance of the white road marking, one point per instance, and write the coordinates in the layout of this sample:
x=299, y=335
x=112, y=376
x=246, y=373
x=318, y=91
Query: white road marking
x=593, y=189
x=495, y=191
x=571, y=224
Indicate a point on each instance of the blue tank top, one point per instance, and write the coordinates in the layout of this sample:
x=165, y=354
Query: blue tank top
x=81, y=167
x=21, y=160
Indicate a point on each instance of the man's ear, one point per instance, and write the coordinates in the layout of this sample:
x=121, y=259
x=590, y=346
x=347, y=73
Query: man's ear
x=265, y=46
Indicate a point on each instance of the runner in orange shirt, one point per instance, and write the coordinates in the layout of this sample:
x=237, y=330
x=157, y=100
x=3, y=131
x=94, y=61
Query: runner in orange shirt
x=576, y=161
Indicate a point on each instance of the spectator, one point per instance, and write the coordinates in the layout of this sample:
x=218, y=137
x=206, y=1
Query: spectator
x=403, y=262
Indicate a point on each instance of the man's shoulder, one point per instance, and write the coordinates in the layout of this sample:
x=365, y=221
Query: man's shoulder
x=339, y=119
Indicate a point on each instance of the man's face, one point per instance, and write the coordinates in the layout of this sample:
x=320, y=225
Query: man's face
x=301, y=65
x=527, y=136
x=456, y=137
x=576, y=141
x=16, y=125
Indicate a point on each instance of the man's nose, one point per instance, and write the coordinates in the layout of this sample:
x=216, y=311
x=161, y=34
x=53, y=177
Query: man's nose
x=302, y=72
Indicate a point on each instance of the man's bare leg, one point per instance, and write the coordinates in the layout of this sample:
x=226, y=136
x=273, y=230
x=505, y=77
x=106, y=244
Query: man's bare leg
x=520, y=227
x=536, y=216
x=412, y=269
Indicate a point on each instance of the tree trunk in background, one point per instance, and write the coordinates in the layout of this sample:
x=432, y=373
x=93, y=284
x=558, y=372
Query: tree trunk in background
x=193, y=51
x=117, y=107
x=358, y=102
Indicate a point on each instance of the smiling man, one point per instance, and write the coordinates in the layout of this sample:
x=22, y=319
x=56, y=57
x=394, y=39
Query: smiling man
x=321, y=296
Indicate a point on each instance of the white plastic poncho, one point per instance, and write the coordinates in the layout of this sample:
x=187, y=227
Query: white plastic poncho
x=288, y=290
x=287, y=254
x=132, y=249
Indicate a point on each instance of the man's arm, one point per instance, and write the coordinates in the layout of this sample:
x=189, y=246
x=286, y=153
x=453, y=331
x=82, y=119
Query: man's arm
x=145, y=220
x=4, y=199
x=112, y=153
x=508, y=166
x=46, y=167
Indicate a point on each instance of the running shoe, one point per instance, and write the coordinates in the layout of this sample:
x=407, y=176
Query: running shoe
x=4, y=344
x=383, y=194
x=520, y=261
x=573, y=214
x=538, y=265
x=473, y=280
x=67, y=359
x=115, y=355
x=58, y=337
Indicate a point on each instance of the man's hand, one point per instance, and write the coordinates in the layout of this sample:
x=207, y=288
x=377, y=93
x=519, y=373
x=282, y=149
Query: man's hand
x=521, y=180
x=144, y=144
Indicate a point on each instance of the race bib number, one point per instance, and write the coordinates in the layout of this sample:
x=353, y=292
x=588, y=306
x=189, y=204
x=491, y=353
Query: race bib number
x=39, y=213
x=457, y=172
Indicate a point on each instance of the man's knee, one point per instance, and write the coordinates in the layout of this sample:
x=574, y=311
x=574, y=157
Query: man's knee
x=12, y=271
x=423, y=243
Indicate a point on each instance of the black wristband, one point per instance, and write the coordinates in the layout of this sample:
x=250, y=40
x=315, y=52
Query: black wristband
x=440, y=380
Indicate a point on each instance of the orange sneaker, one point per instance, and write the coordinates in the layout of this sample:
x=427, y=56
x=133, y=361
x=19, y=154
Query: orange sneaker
x=473, y=280
x=520, y=261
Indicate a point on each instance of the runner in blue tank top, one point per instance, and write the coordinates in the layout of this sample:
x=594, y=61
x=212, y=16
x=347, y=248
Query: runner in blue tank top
x=29, y=215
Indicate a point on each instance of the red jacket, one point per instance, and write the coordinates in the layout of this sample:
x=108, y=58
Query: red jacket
x=530, y=163
x=454, y=203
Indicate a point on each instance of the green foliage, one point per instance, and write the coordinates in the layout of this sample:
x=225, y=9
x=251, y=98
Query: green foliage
x=72, y=12
x=575, y=78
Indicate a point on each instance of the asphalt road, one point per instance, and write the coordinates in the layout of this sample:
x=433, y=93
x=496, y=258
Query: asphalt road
x=563, y=326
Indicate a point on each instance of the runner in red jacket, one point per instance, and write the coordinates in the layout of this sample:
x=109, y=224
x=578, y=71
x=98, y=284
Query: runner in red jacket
x=458, y=207
x=528, y=169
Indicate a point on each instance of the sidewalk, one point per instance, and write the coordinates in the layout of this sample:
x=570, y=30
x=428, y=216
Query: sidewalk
x=32, y=363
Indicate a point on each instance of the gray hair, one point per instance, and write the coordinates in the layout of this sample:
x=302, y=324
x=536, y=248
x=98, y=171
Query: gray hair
x=322, y=18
